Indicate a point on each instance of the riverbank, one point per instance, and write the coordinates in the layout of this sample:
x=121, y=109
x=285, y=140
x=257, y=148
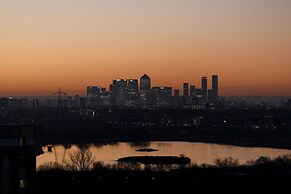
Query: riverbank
x=90, y=136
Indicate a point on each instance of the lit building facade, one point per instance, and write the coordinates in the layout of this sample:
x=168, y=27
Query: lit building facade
x=204, y=88
x=93, y=96
x=145, y=89
x=215, y=94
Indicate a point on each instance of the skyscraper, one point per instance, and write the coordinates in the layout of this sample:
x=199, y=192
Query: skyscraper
x=192, y=91
x=163, y=96
x=93, y=96
x=186, y=90
x=204, y=88
x=145, y=83
x=120, y=92
x=132, y=87
x=215, y=88
x=145, y=88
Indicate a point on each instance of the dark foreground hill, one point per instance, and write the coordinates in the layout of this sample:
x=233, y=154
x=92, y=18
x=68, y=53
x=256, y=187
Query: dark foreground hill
x=238, y=180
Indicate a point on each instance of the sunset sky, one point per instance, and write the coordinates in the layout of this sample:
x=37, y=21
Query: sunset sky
x=46, y=44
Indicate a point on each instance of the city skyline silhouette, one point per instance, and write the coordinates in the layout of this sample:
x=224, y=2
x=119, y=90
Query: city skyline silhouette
x=145, y=96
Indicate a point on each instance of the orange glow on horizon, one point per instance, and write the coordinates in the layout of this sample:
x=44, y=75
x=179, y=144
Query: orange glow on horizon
x=71, y=44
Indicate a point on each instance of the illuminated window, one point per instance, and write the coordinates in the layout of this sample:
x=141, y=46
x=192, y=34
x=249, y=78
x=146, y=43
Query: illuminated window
x=22, y=184
x=21, y=141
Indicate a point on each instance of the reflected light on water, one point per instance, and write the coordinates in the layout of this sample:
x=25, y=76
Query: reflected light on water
x=198, y=152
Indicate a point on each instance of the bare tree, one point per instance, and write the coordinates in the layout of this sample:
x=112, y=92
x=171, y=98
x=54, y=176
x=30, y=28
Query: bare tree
x=51, y=166
x=227, y=162
x=81, y=160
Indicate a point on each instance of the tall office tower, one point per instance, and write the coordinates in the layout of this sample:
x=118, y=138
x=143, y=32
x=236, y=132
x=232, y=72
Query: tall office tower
x=145, y=88
x=93, y=96
x=132, y=86
x=119, y=92
x=204, y=88
x=111, y=88
x=215, y=88
x=163, y=96
x=192, y=91
x=186, y=90
x=105, y=98
x=133, y=95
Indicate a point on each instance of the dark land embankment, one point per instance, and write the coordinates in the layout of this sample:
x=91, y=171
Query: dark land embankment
x=256, y=127
x=230, y=181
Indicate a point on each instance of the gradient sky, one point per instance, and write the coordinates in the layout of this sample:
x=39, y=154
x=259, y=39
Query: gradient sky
x=45, y=44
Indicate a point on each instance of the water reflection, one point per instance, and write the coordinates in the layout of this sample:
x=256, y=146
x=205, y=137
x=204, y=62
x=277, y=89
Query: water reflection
x=198, y=152
x=139, y=144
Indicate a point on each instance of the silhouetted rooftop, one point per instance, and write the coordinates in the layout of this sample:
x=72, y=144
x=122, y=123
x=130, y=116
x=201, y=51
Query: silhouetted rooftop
x=145, y=76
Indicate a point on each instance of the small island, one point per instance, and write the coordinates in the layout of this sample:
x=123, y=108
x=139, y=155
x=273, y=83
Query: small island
x=146, y=150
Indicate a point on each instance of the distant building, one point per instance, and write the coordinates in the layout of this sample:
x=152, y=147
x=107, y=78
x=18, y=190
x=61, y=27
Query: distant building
x=77, y=101
x=177, y=101
x=186, y=90
x=93, y=96
x=163, y=96
x=111, y=88
x=133, y=94
x=4, y=102
x=23, y=103
x=83, y=102
x=69, y=101
x=119, y=92
x=11, y=103
x=105, y=98
x=35, y=103
x=176, y=93
x=145, y=89
x=192, y=91
x=210, y=96
x=48, y=102
x=215, y=94
x=204, y=88
x=287, y=105
x=199, y=96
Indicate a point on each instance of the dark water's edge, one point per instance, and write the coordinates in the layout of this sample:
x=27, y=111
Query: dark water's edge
x=219, y=141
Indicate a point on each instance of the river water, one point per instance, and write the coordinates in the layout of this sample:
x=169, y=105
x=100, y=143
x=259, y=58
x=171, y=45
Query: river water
x=198, y=152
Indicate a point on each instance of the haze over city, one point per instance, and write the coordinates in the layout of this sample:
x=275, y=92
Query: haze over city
x=73, y=44
x=145, y=96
